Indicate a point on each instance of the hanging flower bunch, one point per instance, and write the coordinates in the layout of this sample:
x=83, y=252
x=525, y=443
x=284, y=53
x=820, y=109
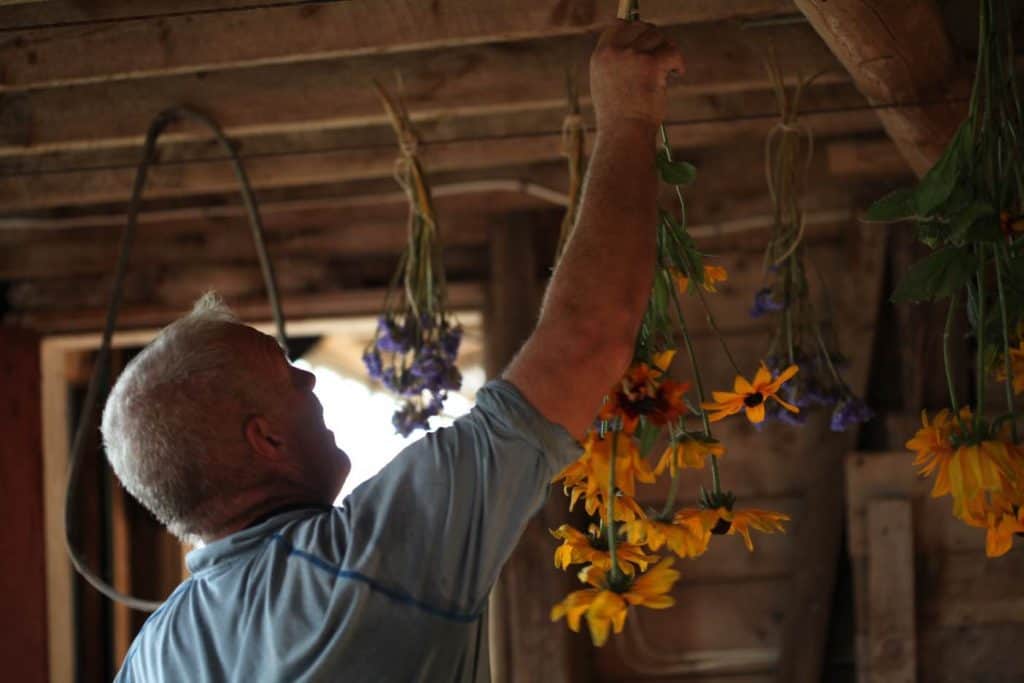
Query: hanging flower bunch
x=416, y=343
x=628, y=552
x=801, y=337
x=968, y=209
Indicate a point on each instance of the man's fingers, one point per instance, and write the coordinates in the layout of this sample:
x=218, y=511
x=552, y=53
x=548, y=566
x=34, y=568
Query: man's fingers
x=649, y=41
x=671, y=58
x=622, y=33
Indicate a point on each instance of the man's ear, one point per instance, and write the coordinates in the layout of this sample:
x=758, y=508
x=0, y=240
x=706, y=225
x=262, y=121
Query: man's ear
x=263, y=438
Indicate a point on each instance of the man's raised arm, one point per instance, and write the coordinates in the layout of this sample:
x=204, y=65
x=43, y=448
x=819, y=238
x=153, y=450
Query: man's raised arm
x=597, y=296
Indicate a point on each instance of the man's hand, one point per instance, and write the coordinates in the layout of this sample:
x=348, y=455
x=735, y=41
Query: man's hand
x=628, y=74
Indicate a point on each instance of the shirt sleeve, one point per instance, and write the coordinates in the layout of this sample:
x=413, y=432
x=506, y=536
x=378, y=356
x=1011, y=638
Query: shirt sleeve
x=439, y=521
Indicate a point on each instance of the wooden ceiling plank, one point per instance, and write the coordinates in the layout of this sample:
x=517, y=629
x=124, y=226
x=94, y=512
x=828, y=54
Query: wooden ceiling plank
x=19, y=193
x=898, y=52
x=747, y=107
x=481, y=79
x=145, y=47
x=461, y=296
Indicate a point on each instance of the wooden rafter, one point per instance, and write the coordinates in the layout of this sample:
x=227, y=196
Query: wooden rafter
x=897, y=53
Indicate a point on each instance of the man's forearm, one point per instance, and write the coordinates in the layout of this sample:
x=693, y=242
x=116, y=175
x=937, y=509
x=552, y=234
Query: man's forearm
x=597, y=297
x=603, y=281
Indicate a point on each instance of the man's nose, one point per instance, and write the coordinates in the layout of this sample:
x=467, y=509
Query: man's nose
x=308, y=378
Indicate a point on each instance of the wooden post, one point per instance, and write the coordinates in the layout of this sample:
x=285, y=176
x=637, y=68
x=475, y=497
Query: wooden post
x=23, y=648
x=525, y=645
x=892, y=648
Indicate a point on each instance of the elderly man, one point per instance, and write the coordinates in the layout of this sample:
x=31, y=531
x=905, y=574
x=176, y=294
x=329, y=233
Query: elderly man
x=223, y=440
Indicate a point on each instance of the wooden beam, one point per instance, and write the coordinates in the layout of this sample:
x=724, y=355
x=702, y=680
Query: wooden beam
x=335, y=93
x=27, y=192
x=185, y=43
x=891, y=611
x=464, y=296
x=897, y=52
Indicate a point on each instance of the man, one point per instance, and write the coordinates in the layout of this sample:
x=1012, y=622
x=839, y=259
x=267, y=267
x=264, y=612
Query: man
x=223, y=440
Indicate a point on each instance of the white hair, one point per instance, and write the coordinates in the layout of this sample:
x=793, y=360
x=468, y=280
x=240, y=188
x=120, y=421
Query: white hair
x=163, y=424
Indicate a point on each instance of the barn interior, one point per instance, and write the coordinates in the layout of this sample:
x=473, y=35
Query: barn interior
x=873, y=580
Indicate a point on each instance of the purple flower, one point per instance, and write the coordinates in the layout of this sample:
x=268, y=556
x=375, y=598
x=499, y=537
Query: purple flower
x=373, y=363
x=849, y=411
x=451, y=338
x=391, y=338
x=764, y=303
x=408, y=418
x=429, y=364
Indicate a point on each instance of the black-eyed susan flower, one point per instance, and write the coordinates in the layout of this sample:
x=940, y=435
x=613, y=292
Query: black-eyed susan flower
x=686, y=539
x=605, y=607
x=591, y=547
x=966, y=458
x=646, y=391
x=934, y=448
x=1000, y=518
x=722, y=520
x=1016, y=366
x=688, y=451
x=751, y=396
x=712, y=276
x=630, y=466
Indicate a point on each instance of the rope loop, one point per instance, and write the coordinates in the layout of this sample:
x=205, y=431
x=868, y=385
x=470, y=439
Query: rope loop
x=87, y=416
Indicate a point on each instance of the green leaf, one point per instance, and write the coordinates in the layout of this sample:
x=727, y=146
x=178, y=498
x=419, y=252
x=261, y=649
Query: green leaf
x=675, y=172
x=895, y=206
x=938, y=186
x=936, y=276
x=978, y=222
x=940, y=181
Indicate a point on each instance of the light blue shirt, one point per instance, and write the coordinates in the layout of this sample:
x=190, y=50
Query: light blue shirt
x=389, y=587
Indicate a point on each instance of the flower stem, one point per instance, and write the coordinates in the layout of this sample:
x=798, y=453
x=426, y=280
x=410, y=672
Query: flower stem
x=716, y=483
x=946, y=333
x=673, y=491
x=980, y=333
x=1007, y=365
x=827, y=355
x=615, y=573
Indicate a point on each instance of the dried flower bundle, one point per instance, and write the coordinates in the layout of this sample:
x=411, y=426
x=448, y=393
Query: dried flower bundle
x=802, y=337
x=416, y=343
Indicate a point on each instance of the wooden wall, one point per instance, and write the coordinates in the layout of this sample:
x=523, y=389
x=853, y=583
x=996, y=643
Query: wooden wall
x=23, y=650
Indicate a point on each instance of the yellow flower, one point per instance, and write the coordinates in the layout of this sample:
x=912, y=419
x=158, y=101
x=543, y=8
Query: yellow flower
x=751, y=396
x=712, y=276
x=934, y=448
x=579, y=548
x=975, y=468
x=722, y=520
x=626, y=507
x=967, y=470
x=1000, y=518
x=605, y=608
x=688, y=451
x=685, y=538
x=1016, y=366
x=630, y=466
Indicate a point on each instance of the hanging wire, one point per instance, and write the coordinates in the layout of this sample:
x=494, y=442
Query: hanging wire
x=87, y=416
